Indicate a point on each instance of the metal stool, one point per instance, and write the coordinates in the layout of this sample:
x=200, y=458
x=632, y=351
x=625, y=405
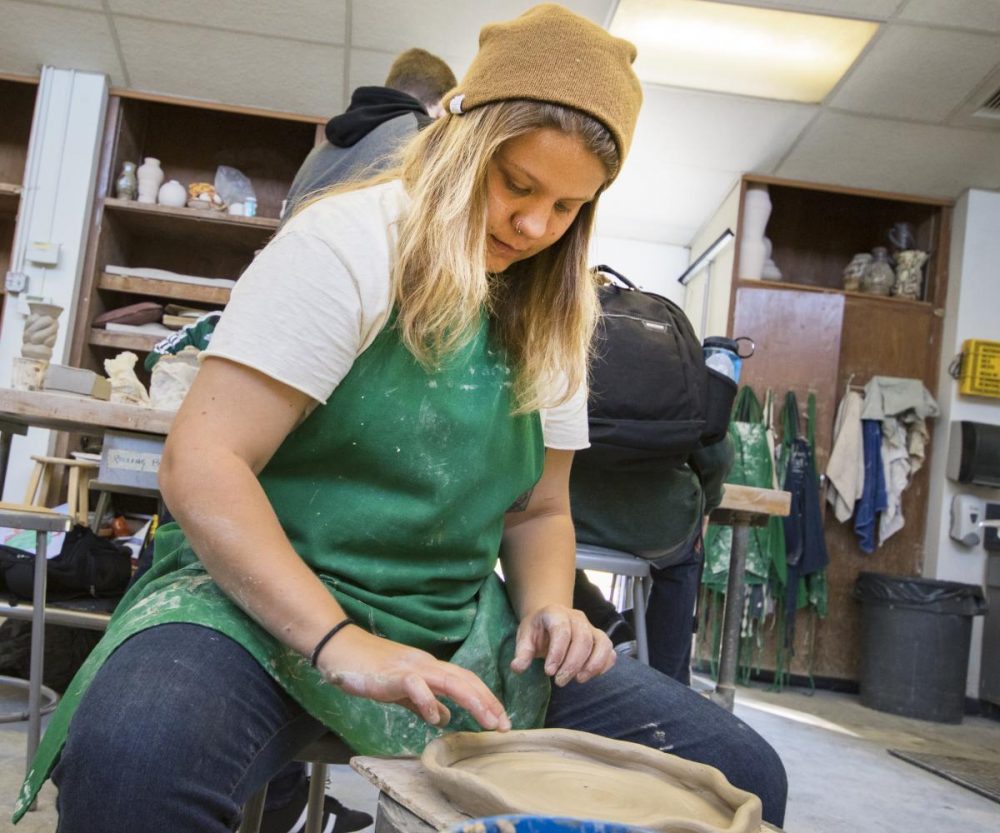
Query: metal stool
x=329, y=749
x=42, y=521
x=635, y=570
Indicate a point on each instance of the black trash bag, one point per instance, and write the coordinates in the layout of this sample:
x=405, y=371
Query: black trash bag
x=86, y=566
x=928, y=595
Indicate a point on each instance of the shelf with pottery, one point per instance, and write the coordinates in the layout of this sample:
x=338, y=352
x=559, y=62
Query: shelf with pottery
x=145, y=243
x=183, y=213
x=866, y=297
x=823, y=235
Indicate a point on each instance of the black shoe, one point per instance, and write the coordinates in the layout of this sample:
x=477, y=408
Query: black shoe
x=292, y=817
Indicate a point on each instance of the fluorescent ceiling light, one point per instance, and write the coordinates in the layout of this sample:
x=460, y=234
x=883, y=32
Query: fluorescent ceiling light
x=740, y=49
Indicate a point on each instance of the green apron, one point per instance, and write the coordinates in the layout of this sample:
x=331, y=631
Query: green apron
x=394, y=493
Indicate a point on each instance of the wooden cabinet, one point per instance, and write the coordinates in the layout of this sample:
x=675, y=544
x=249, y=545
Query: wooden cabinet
x=814, y=337
x=17, y=103
x=191, y=140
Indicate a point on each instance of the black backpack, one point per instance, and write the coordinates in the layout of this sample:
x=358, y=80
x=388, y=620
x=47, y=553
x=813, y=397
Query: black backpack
x=86, y=566
x=652, y=399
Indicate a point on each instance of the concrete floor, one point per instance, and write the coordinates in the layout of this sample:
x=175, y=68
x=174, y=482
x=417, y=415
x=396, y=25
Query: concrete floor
x=841, y=777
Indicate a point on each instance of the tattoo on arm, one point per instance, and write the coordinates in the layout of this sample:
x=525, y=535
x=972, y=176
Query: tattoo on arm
x=521, y=503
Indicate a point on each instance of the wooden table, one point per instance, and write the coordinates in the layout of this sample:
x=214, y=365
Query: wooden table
x=23, y=409
x=409, y=802
x=741, y=508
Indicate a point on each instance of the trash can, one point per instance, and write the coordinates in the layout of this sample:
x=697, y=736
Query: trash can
x=915, y=644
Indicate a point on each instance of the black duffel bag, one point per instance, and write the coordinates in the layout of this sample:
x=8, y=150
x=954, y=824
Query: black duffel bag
x=87, y=566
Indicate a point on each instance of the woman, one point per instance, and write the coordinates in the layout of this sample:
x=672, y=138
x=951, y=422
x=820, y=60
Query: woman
x=362, y=440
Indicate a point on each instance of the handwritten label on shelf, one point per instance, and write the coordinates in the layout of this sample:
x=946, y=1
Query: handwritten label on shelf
x=123, y=459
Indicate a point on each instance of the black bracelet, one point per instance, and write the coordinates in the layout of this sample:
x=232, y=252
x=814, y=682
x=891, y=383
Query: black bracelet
x=330, y=634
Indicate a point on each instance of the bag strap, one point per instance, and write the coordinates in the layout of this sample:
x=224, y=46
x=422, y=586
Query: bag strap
x=609, y=271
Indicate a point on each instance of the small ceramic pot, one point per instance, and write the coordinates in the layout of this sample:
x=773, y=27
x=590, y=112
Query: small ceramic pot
x=855, y=271
x=879, y=276
x=150, y=176
x=172, y=193
x=126, y=185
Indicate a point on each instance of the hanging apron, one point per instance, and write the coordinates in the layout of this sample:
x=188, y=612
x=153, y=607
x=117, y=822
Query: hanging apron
x=394, y=493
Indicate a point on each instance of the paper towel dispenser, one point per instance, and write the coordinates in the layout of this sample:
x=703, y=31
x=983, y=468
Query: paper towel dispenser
x=974, y=453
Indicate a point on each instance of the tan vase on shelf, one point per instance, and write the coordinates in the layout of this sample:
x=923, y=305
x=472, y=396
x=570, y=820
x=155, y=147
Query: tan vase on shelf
x=879, y=276
x=855, y=271
x=150, y=176
x=909, y=276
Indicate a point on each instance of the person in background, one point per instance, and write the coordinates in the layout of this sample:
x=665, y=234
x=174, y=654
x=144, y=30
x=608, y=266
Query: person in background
x=658, y=513
x=389, y=405
x=379, y=120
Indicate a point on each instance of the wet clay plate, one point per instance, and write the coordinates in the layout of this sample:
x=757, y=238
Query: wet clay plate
x=561, y=772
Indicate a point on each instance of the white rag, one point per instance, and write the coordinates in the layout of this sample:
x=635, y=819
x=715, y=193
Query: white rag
x=845, y=470
x=903, y=406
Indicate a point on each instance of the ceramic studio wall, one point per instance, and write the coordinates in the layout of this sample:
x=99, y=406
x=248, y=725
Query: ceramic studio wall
x=972, y=312
x=55, y=208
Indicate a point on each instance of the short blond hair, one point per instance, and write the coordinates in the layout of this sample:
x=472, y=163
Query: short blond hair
x=418, y=73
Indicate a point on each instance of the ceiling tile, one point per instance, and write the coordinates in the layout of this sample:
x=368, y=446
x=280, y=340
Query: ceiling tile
x=867, y=9
x=895, y=156
x=711, y=130
x=34, y=34
x=91, y=5
x=322, y=21
x=443, y=26
x=918, y=73
x=250, y=70
x=981, y=15
x=665, y=202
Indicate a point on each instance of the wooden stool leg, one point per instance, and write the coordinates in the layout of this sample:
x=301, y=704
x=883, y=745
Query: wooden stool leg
x=33, y=483
x=83, y=505
x=73, y=494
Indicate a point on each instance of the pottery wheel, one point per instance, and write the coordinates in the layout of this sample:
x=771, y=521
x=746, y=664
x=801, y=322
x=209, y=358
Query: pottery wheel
x=553, y=784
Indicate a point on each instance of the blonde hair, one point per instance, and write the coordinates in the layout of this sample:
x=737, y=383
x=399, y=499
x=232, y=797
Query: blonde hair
x=543, y=310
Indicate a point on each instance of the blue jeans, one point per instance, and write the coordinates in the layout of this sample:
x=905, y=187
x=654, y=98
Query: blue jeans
x=181, y=726
x=670, y=613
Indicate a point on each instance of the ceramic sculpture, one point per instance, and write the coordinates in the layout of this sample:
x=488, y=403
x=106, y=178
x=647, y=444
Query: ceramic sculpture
x=753, y=249
x=150, y=176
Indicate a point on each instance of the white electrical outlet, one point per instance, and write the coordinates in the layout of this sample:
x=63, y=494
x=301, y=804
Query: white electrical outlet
x=16, y=281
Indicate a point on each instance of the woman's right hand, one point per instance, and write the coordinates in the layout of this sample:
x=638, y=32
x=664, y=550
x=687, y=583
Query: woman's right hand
x=369, y=666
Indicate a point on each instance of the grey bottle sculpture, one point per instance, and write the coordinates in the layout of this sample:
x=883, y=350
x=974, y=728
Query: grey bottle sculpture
x=127, y=186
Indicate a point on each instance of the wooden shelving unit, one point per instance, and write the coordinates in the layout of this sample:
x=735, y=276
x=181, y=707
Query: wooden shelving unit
x=191, y=141
x=814, y=337
x=17, y=103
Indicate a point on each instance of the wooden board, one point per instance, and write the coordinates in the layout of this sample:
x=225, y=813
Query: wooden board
x=69, y=412
x=754, y=501
x=798, y=348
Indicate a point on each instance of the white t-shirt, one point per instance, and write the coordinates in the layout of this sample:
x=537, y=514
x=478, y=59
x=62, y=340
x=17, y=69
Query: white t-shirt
x=319, y=293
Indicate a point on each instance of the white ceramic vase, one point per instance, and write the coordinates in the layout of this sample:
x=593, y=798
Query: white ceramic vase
x=753, y=249
x=172, y=193
x=40, y=330
x=150, y=176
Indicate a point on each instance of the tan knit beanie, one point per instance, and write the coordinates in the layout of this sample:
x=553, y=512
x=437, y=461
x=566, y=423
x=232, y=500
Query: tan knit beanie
x=552, y=54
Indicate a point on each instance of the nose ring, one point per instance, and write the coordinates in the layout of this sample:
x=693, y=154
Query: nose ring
x=517, y=227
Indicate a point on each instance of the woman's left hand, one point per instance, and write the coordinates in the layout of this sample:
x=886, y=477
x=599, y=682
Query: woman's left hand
x=571, y=646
